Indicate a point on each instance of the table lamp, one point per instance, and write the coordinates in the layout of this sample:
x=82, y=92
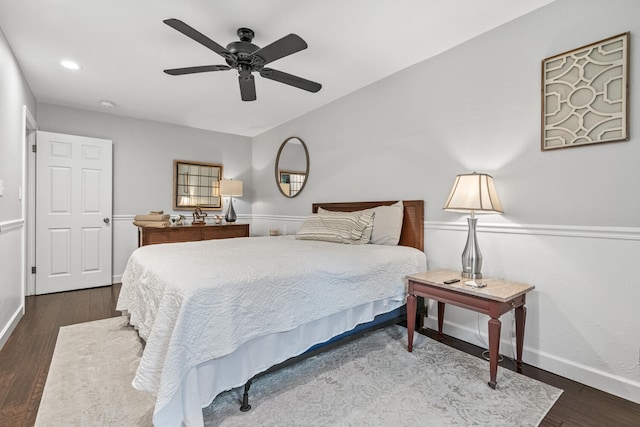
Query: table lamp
x=473, y=193
x=230, y=188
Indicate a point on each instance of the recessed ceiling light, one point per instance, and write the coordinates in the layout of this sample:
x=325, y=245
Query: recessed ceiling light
x=107, y=104
x=70, y=65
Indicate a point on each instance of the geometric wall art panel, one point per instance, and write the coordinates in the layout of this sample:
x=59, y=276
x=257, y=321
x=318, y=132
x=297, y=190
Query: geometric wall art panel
x=585, y=95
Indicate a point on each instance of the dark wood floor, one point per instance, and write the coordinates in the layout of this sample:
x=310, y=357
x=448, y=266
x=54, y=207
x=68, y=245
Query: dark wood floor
x=25, y=359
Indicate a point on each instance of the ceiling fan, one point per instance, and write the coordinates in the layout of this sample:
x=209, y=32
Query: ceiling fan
x=246, y=58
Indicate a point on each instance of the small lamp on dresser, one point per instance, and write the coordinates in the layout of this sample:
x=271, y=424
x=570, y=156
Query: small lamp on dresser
x=473, y=193
x=230, y=188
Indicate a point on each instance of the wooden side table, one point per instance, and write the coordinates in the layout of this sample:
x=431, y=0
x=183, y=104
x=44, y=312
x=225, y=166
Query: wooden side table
x=497, y=298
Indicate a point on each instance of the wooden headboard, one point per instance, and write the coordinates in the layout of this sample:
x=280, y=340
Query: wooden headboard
x=412, y=222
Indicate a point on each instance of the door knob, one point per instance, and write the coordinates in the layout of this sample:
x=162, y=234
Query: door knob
x=106, y=220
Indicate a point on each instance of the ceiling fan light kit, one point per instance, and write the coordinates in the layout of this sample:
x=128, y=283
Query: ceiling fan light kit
x=246, y=58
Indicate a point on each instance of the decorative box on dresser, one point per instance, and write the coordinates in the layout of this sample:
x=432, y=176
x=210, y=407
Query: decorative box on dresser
x=190, y=233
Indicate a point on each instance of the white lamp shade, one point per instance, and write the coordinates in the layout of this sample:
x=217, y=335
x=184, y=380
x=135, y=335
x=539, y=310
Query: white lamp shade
x=230, y=187
x=474, y=192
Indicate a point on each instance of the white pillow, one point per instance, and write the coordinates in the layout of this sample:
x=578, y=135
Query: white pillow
x=387, y=224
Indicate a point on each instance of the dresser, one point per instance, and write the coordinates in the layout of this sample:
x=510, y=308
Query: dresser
x=190, y=233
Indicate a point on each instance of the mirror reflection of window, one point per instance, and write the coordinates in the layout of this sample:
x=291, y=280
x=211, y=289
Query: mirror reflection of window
x=196, y=185
x=291, y=182
x=292, y=167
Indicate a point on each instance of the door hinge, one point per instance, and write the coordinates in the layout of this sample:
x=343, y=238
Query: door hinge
x=33, y=270
x=34, y=148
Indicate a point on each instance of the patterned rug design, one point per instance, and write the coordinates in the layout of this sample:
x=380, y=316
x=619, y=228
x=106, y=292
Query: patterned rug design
x=371, y=381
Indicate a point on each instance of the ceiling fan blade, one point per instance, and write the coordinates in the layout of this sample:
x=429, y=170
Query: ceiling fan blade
x=290, y=79
x=193, y=70
x=247, y=88
x=197, y=36
x=287, y=45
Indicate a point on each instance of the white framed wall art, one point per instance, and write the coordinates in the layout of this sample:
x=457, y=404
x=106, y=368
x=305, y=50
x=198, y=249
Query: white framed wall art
x=585, y=95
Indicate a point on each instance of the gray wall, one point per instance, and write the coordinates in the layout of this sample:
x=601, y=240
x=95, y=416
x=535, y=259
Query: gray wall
x=571, y=225
x=473, y=108
x=14, y=95
x=144, y=151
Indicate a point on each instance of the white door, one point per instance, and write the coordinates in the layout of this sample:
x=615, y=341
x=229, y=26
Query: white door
x=73, y=212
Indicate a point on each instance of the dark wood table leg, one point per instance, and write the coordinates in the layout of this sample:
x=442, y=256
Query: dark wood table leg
x=421, y=312
x=411, y=320
x=494, y=349
x=521, y=317
x=440, y=318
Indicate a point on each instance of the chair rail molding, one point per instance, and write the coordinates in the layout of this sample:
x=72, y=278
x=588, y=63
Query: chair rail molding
x=579, y=231
x=15, y=224
x=279, y=217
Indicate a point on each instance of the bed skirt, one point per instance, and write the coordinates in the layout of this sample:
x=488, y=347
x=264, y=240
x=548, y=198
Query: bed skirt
x=209, y=379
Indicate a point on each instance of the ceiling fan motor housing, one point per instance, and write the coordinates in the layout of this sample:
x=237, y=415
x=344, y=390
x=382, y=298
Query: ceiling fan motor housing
x=243, y=51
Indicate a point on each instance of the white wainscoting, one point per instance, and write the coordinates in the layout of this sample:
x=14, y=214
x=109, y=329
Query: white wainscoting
x=582, y=320
x=12, y=268
x=263, y=224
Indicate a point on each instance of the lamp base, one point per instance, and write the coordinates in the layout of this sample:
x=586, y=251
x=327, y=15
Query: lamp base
x=471, y=275
x=471, y=256
x=231, y=213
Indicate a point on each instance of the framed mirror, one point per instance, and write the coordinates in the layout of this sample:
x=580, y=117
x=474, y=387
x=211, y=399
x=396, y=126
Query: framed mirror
x=196, y=184
x=292, y=166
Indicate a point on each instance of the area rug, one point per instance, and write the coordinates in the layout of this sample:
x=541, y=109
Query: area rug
x=371, y=381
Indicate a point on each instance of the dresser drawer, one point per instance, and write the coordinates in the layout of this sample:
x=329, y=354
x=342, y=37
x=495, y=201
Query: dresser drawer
x=190, y=233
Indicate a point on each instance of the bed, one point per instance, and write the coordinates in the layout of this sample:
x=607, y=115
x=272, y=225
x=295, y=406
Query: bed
x=214, y=314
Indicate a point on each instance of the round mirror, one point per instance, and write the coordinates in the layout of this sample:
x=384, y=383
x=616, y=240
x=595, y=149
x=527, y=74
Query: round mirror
x=292, y=166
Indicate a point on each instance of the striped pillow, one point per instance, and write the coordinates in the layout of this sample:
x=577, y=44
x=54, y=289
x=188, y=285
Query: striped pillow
x=337, y=227
x=364, y=218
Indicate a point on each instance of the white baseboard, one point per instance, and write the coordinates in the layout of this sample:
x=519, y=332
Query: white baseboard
x=11, y=325
x=614, y=384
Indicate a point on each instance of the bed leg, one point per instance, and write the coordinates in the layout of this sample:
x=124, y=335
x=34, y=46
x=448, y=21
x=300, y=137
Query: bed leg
x=245, y=397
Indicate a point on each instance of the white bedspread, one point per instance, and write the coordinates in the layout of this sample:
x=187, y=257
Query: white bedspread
x=198, y=301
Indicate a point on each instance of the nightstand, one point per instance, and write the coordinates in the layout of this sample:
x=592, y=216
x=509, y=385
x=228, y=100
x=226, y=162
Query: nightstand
x=498, y=297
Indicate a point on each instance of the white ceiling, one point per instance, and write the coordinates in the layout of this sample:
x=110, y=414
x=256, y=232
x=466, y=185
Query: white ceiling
x=123, y=46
